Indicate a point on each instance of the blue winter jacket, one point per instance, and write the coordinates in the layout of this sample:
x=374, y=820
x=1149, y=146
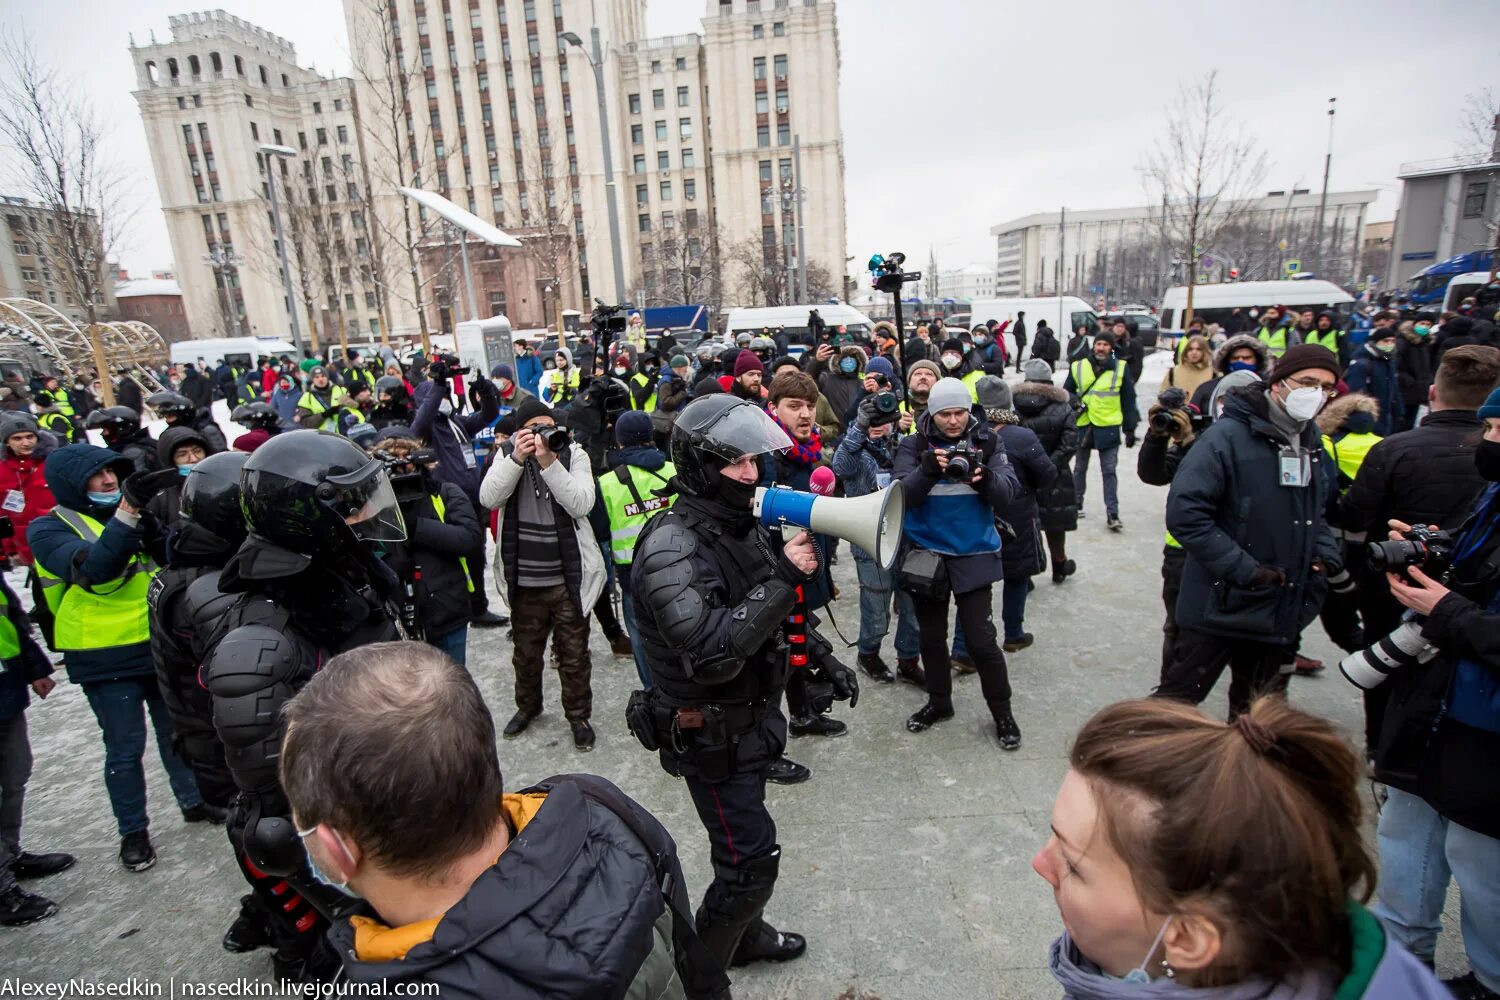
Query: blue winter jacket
x=62, y=552
x=1374, y=373
x=452, y=437
x=528, y=370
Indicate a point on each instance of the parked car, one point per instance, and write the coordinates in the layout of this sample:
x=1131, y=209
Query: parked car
x=1146, y=326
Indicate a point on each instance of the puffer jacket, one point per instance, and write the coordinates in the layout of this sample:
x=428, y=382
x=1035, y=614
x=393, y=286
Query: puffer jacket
x=1048, y=411
x=1373, y=373
x=1416, y=362
x=1347, y=425
x=1230, y=513
x=1205, y=392
x=843, y=391
x=571, y=909
x=25, y=476
x=1023, y=555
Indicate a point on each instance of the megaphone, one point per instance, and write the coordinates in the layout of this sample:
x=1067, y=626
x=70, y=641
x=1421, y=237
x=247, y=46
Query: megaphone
x=873, y=521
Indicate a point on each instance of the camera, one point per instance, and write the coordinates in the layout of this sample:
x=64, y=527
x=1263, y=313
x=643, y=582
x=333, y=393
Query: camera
x=1163, y=420
x=963, y=460
x=1372, y=666
x=1422, y=545
x=446, y=366
x=556, y=439
x=405, y=473
x=886, y=274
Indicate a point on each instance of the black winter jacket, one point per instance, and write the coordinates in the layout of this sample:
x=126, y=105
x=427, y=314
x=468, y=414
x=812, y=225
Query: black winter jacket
x=1231, y=515
x=435, y=546
x=1045, y=346
x=1423, y=749
x=1023, y=555
x=197, y=388
x=1422, y=476
x=1415, y=364
x=31, y=664
x=571, y=909
x=1374, y=373
x=1048, y=411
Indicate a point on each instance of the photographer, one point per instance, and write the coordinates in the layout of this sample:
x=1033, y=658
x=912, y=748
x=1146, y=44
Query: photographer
x=1247, y=506
x=442, y=533
x=957, y=478
x=325, y=406
x=451, y=438
x=1440, y=742
x=543, y=487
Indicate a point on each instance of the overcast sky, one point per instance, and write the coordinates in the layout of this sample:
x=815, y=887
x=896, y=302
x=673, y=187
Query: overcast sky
x=959, y=114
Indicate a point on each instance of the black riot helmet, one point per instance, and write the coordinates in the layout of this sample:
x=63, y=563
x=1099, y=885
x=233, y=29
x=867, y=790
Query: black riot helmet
x=718, y=430
x=114, y=423
x=256, y=414
x=211, y=497
x=318, y=493
x=172, y=406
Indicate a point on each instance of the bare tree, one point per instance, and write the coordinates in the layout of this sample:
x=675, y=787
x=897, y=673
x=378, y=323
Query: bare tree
x=1477, y=119
x=682, y=267
x=546, y=197
x=1204, y=173
x=55, y=153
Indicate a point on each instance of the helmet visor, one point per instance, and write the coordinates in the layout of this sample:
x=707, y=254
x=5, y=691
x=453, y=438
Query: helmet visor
x=738, y=431
x=367, y=503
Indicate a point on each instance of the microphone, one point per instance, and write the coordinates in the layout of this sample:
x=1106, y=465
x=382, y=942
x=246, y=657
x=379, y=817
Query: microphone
x=823, y=481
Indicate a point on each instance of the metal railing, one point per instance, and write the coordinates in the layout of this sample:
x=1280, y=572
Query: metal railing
x=1447, y=163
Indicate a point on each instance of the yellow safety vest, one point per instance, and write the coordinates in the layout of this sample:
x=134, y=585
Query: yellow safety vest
x=1328, y=339
x=60, y=400
x=1101, y=399
x=630, y=503
x=567, y=387
x=639, y=378
x=337, y=396
x=972, y=381
x=102, y=616
x=1350, y=450
x=441, y=509
x=1275, y=340
x=10, y=639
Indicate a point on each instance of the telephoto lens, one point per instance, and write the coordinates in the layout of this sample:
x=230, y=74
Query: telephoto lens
x=557, y=440
x=886, y=402
x=1372, y=666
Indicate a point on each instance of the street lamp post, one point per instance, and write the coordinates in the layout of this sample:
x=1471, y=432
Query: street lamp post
x=596, y=63
x=271, y=150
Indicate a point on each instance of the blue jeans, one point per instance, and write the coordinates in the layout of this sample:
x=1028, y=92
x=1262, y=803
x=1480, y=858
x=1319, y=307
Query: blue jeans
x=117, y=705
x=1108, y=459
x=627, y=608
x=1419, y=851
x=876, y=587
x=1013, y=606
x=454, y=642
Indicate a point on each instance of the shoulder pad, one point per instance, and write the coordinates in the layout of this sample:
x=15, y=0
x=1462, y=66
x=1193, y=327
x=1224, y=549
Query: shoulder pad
x=255, y=657
x=665, y=576
x=666, y=536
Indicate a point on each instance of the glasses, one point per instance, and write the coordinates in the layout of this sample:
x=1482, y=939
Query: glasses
x=1311, y=383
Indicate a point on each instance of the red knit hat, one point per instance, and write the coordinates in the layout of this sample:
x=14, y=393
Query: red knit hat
x=748, y=362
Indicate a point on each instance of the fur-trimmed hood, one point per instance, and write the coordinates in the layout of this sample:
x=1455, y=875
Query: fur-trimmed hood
x=851, y=351
x=1347, y=413
x=1031, y=398
x=1263, y=352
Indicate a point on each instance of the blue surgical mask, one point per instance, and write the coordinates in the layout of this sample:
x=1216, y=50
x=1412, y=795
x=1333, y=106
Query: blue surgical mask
x=1139, y=973
x=183, y=470
x=343, y=887
x=1242, y=366
x=848, y=365
x=104, y=499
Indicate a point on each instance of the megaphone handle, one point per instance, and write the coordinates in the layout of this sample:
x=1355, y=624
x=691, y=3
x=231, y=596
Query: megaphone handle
x=796, y=631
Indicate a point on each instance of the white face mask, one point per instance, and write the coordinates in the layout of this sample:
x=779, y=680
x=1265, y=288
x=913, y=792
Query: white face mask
x=445, y=407
x=1303, y=404
x=1139, y=973
x=952, y=360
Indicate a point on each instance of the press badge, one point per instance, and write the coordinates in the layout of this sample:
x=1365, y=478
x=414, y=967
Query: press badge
x=15, y=502
x=882, y=480
x=1296, y=467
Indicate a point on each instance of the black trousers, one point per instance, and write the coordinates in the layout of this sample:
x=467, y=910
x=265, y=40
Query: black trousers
x=1057, y=545
x=1173, y=559
x=742, y=845
x=976, y=615
x=479, y=600
x=1198, y=659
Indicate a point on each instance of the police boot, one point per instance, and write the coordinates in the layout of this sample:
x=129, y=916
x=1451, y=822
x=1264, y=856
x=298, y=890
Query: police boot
x=764, y=943
x=251, y=928
x=733, y=904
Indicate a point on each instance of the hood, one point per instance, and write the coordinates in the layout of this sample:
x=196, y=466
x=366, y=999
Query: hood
x=1336, y=416
x=1031, y=397
x=1262, y=351
x=850, y=351
x=68, y=469
x=172, y=437
x=643, y=456
x=565, y=352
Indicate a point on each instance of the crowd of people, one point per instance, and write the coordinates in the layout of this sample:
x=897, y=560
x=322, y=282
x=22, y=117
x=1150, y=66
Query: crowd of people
x=291, y=610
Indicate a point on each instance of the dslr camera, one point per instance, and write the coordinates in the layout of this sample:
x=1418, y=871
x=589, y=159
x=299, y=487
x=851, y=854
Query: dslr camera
x=887, y=403
x=445, y=366
x=963, y=460
x=1171, y=400
x=405, y=473
x=556, y=439
x=1422, y=545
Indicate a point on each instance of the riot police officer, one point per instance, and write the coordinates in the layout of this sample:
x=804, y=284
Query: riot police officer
x=178, y=411
x=304, y=586
x=120, y=426
x=711, y=596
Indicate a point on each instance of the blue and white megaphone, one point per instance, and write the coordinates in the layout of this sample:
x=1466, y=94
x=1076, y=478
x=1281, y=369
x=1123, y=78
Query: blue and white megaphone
x=873, y=521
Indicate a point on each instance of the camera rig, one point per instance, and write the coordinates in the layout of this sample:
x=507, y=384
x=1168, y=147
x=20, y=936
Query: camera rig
x=886, y=275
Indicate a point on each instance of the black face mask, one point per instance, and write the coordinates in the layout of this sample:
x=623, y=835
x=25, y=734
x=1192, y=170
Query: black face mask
x=734, y=494
x=1487, y=460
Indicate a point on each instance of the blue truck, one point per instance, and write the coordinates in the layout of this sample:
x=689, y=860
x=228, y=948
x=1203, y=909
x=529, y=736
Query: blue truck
x=1427, y=286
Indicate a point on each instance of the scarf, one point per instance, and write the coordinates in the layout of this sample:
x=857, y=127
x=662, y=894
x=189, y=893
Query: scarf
x=802, y=453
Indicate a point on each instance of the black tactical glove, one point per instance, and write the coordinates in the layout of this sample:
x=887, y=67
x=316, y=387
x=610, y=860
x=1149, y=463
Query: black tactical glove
x=1130, y=438
x=1266, y=576
x=140, y=488
x=845, y=682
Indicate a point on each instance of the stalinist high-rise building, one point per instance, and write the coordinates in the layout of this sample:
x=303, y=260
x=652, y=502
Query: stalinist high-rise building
x=491, y=104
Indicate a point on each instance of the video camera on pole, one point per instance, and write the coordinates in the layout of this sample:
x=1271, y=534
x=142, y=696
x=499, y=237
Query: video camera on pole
x=886, y=275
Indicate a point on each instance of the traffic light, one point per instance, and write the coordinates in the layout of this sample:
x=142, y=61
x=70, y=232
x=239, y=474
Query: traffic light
x=1234, y=273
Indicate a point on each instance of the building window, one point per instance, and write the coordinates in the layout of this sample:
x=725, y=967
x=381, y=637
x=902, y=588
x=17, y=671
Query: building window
x=668, y=221
x=533, y=45
x=690, y=219
x=197, y=100
x=497, y=303
x=1474, y=198
x=642, y=194
x=655, y=68
x=317, y=107
x=765, y=171
x=643, y=223
x=255, y=132
x=181, y=103
x=681, y=62
x=658, y=99
x=635, y=104
x=781, y=102
x=687, y=159
x=689, y=189
x=663, y=160
x=763, y=136
x=666, y=190
x=762, y=104
x=784, y=168
x=781, y=67
x=684, y=129
x=640, y=163
x=682, y=97
x=322, y=137
x=779, y=29
x=248, y=102
x=783, y=134
x=760, y=67
x=661, y=131
x=758, y=31
x=636, y=135
x=343, y=132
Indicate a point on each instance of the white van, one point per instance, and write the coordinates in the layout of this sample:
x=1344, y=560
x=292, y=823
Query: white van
x=1216, y=303
x=794, y=318
x=1064, y=313
x=245, y=351
x=1462, y=286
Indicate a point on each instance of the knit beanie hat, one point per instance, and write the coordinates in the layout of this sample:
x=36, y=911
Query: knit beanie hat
x=530, y=409
x=633, y=428
x=993, y=393
x=1491, y=408
x=504, y=371
x=949, y=394
x=747, y=362
x=954, y=345
x=785, y=359
x=1037, y=370
x=678, y=361
x=924, y=364
x=1303, y=357
x=880, y=366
